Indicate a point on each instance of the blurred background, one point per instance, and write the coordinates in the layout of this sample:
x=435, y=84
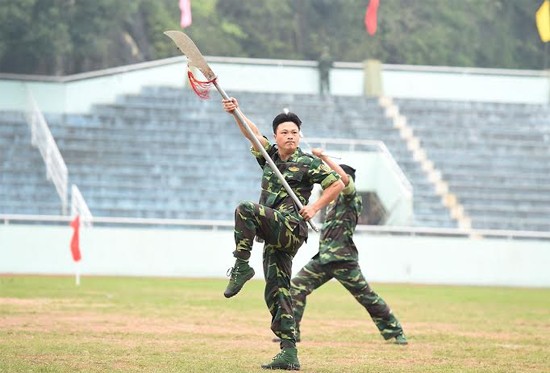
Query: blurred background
x=442, y=106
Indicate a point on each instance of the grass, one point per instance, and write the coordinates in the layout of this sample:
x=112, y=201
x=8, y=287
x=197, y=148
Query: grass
x=118, y=324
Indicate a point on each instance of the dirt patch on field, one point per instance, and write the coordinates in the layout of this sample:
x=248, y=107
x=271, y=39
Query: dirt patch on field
x=25, y=302
x=52, y=315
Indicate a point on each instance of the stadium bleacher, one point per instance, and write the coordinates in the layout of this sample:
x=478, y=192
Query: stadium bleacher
x=24, y=188
x=495, y=158
x=164, y=153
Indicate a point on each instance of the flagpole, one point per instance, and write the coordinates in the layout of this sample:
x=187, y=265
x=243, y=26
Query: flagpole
x=77, y=273
x=546, y=54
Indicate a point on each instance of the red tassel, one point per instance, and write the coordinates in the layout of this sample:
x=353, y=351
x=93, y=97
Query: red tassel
x=201, y=88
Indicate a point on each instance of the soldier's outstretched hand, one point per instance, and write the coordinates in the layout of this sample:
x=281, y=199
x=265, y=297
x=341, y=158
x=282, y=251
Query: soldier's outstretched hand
x=318, y=152
x=308, y=212
x=230, y=105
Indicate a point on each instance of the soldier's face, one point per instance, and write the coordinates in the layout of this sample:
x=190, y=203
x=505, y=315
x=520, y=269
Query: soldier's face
x=287, y=137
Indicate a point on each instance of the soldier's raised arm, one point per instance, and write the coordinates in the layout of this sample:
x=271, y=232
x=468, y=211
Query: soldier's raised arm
x=230, y=106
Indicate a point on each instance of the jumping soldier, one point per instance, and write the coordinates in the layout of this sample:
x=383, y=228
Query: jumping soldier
x=277, y=221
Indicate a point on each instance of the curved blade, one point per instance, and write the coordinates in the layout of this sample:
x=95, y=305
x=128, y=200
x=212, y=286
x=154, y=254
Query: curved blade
x=189, y=49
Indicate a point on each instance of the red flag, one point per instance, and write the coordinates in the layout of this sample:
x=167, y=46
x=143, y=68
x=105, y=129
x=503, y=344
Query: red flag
x=185, y=18
x=370, y=16
x=75, y=241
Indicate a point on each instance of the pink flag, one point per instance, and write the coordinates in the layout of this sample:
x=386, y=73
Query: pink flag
x=75, y=241
x=185, y=19
x=371, y=16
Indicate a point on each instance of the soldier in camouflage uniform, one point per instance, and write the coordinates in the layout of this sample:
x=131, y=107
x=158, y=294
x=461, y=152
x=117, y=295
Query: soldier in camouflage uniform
x=338, y=258
x=277, y=221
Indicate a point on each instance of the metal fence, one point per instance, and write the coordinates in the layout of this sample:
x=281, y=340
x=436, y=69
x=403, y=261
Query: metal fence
x=41, y=138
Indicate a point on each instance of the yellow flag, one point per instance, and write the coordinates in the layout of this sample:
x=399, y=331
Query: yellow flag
x=543, y=21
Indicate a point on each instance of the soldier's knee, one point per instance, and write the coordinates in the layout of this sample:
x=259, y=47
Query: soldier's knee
x=244, y=208
x=296, y=292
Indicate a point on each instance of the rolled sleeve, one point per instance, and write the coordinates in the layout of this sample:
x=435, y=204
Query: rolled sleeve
x=258, y=154
x=329, y=180
x=322, y=174
x=350, y=188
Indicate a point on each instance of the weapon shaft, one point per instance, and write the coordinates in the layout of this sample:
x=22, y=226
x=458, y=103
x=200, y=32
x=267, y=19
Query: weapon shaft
x=237, y=113
x=311, y=147
x=195, y=58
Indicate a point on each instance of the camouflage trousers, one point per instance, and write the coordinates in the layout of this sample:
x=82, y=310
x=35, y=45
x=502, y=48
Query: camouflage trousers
x=348, y=273
x=281, y=244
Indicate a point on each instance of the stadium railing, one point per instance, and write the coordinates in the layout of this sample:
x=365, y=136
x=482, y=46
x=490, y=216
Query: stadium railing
x=80, y=207
x=42, y=139
x=214, y=225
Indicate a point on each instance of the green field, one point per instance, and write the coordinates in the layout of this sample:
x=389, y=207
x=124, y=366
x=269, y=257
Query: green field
x=119, y=324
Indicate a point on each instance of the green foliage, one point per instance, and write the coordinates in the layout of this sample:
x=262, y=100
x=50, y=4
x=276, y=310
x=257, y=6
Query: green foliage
x=98, y=34
x=69, y=36
x=157, y=17
x=17, y=41
x=212, y=32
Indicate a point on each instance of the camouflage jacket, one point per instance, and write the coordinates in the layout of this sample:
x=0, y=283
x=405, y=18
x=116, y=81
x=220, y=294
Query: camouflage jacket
x=301, y=171
x=336, y=242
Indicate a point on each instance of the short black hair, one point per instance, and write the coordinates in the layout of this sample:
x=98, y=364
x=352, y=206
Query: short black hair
x=348, y=170
x=285, y=117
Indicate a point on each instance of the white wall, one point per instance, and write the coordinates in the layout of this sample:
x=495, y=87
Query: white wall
x=36, y=249
x=77, y=93
x=378, y=175
x=467, y=84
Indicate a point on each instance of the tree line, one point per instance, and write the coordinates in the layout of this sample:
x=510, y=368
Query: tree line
x=61, y=37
